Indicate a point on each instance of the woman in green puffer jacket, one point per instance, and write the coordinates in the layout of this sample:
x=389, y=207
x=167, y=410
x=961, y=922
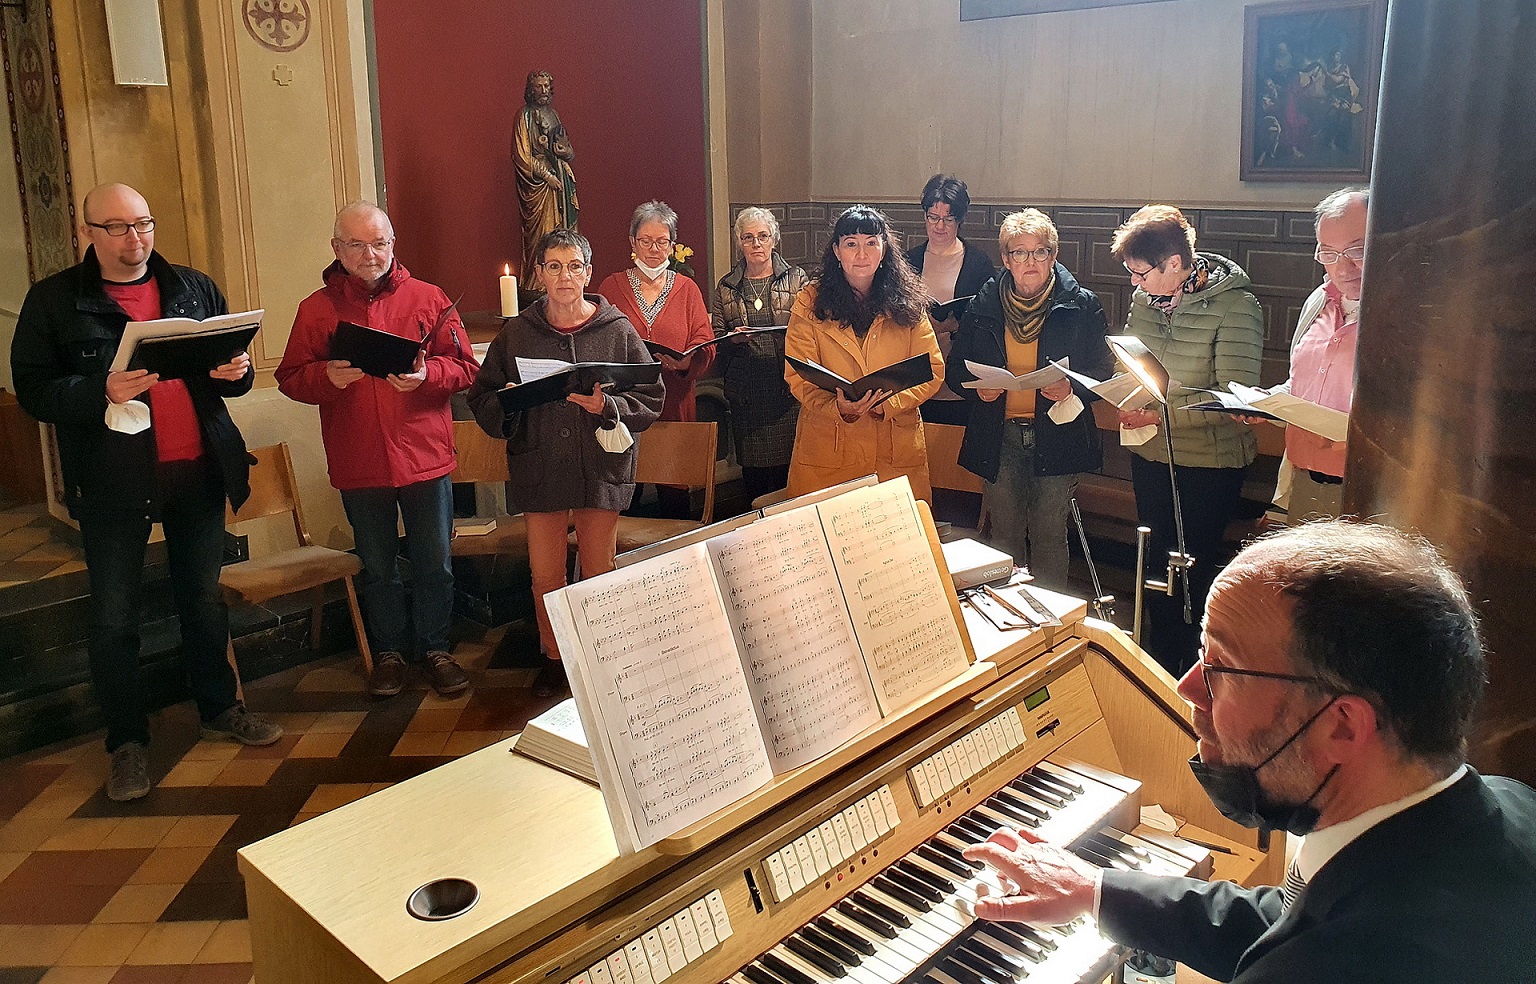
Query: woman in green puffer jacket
x=1194, y=312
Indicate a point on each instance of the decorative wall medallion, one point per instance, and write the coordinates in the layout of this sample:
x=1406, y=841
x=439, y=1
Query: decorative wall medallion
x=31, y=75
x=278, y=25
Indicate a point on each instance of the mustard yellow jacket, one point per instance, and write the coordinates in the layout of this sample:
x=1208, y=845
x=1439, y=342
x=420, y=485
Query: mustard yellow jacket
x=828, y=450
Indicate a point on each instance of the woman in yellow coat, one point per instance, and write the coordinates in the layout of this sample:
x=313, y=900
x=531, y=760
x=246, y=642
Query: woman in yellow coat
x=866, y=310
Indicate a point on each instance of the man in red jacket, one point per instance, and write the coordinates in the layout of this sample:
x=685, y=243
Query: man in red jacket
x=389, y=440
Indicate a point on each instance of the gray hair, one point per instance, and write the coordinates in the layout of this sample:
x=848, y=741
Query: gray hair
x=654, y=211
x=563, y=239
x=751, y=214
x=363, y=209
x=1337, y=203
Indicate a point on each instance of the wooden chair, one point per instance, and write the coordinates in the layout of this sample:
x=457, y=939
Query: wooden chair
x=306, y=567
x=671, y=452
x=944, y=471
x=483, y=458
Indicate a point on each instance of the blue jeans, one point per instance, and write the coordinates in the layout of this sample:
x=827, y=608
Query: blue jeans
x=427, y=509
x=1028, y=512
x=190, y=507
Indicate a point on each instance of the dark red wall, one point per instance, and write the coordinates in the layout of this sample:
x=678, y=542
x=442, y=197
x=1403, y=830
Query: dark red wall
x=629, y=89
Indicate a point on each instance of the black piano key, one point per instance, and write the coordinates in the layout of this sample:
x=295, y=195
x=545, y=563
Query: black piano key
x=1040, y=790
x=1014, y=965
x=966, y=832
x=1056, y=778
x=880, y=909
x=1008, y=933
x=980, y=824
x=1136, y=850
x=835, y=948
x=1000, y=805
x=1055, y=784
x=917, y=886
x=1093, y=857
x=896, y=891
x=967, y=954
x=940, y=856
x=1036, y=936
x=782, y=967
x=849, y=939
x=1011, y=795
x=758, y=975
x=812, y=954
x=927, y=876
x=964, y=974
x=1111, y=847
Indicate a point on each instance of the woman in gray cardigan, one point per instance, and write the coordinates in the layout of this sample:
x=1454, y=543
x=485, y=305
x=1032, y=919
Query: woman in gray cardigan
x=561, y=476
x=1194, y=312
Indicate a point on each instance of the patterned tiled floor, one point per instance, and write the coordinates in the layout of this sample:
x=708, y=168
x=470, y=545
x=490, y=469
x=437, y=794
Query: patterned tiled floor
x=29, y=551
x=96, y=892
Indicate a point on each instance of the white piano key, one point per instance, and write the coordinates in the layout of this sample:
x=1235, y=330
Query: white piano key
x=639, y=964
x=618, y=968
x=778, y=878
x=818, y=852
x=900, y=955
x=888, y=800
x=672, y=945
x=717, y=911
x=693, y=947
x=829, y=843
x=704, y=924
x=655, y=956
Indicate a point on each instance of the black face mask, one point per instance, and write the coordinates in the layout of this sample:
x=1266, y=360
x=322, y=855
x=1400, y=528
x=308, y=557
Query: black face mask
x=1236, y=792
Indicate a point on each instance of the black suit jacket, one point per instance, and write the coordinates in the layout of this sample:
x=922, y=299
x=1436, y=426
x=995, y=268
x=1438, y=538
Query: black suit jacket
x=1444, y=891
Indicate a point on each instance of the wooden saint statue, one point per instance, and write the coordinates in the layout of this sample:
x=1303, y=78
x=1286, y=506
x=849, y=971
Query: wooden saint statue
x=546, y=184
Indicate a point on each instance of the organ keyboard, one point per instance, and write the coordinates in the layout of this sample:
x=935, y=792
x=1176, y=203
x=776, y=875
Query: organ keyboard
x=854, y=875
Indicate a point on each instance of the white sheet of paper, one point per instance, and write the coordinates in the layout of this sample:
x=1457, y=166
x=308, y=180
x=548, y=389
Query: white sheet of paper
x=1122, y=390
x=530, y=369
x=996, y=377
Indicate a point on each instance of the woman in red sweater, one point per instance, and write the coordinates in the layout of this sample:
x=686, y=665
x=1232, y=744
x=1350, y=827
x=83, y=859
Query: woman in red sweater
x=669, y=310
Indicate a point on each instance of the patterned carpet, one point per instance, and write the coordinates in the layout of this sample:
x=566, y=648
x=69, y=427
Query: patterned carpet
x=148, y=892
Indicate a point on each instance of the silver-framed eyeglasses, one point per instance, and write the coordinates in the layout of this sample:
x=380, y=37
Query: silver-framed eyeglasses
x=554, y=268
x=377, y=246
x=1040, y=254
x=934, y=218
x=647, y=243
x=758, y=239
x=1328, y=257
x=119, y=229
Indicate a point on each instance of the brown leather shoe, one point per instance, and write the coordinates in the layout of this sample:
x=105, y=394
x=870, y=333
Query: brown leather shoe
x=388, y=676
x=551, y=680
x=446, y=676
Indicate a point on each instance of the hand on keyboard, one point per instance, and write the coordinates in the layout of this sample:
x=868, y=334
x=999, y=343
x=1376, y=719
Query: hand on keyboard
x=1046, y=885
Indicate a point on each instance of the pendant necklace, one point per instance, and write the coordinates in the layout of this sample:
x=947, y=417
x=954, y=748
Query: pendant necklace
x=757, y=300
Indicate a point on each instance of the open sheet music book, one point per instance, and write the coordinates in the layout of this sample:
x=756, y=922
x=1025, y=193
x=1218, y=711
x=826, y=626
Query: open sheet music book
x=181, y=348
x=704, y=672
x=556, y=738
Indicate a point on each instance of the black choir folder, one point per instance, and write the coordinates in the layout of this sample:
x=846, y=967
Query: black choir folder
x=702, y=673
x=183, y=348
x=659, y=349
x=894, y=378
x=579, y=377
x=375, y=352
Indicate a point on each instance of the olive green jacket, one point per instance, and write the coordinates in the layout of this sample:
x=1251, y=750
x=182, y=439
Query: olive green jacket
x=1213, y=337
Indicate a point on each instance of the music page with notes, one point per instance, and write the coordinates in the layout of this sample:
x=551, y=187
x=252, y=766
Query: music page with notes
x=894, y=590
x=810, y=688
x=663, y=697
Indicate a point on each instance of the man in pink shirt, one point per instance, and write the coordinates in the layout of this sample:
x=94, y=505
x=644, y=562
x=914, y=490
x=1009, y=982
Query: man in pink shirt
x=1323, y=354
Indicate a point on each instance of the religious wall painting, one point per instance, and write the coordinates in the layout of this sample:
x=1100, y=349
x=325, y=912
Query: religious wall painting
x=1311, y=74
x=29, y=58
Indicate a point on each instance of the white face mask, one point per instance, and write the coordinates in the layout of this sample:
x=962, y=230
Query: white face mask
x=651, y=273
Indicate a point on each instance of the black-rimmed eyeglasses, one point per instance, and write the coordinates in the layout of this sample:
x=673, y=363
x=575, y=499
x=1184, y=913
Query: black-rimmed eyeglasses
x=1207, y=669
x=119, y=229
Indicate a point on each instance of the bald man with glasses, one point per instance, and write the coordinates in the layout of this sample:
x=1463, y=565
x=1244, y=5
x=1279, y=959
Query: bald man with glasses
x=178, y=472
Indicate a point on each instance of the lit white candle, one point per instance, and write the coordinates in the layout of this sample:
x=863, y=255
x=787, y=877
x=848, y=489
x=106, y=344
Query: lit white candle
x=508, y=293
